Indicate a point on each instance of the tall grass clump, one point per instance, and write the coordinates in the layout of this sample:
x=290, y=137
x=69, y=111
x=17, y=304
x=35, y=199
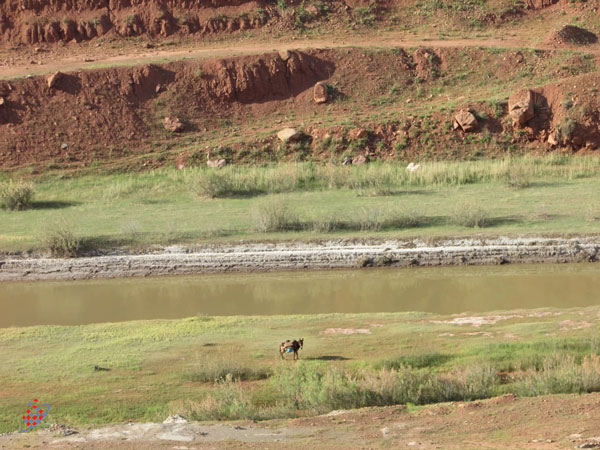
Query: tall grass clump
x=16, y=196
x=213, y=184
x=60, y=241
x=274, y=214
x=562, y=374
x=517, y=178
x=471, y=216
x=218, y=371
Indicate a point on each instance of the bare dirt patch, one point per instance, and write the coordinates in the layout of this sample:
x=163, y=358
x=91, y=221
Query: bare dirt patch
x=548, y=422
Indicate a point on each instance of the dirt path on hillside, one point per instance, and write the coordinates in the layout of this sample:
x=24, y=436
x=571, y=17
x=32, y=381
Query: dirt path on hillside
x=47, y=60
x=548, y=422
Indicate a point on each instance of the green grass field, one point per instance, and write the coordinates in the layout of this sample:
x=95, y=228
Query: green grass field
x=550, y=195
x=212, y=368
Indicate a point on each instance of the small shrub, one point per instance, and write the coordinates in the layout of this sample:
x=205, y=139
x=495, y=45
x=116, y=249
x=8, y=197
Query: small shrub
x=16, y=196
x=213, y=184
x=516, y=177
x=215, y=372
x=274, y=215
x=472, y=216
x=61, y=242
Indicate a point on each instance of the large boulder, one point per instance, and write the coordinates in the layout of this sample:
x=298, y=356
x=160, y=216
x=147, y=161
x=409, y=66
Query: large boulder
x=320, y=93
x=173, y=124
x=465, y=120
x=54, y=79
x=520, y=107
x=289, y=134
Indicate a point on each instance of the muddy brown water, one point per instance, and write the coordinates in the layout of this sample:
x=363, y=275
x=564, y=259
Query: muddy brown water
x=444, y=290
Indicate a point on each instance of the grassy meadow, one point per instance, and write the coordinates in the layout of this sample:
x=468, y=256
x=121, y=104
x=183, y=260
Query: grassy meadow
x=528, y=195
x=217, y=368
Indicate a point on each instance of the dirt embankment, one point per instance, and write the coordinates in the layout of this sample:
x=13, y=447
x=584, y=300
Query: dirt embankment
x=106, y=115
x=57, y=21
x=40, y=21
x=102, y=114
x=179, y=260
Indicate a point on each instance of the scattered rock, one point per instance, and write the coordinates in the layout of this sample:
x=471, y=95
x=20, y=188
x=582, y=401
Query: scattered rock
x=320, y=94
x=61, y=430
x=520, y=107
x=289, y=134
x=173, y=124
x=54, y=79
x=358, y=133
x=2, y=101
x=64, y=146
x=552, y=141
x=175, y=418
x=360, y=160
x=465, y=120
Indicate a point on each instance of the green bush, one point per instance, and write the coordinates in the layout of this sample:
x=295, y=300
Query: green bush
x=472, y=216
x=16, y=196
x=516, y=178
x=61, y=242
x=273, y=214
x=213, y=184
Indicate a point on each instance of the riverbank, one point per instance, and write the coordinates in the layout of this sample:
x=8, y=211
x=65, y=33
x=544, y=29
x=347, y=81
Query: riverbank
x=208, y=368
x=333, y=254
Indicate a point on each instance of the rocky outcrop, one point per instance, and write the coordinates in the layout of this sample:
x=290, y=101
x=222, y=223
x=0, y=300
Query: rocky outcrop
x=520, y=107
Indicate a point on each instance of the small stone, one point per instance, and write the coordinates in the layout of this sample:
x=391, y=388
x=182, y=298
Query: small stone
x=64, y=146
x=552, y=140
x=465, y=120
x=289, y=134
x=360, y=160
x=2, y=101
x=54, y=78
x=320, y=93
x=175, y=418
x=173, y=124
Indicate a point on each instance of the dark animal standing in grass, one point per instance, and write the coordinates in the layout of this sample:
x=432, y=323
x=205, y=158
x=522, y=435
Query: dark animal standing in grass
x=291, y=346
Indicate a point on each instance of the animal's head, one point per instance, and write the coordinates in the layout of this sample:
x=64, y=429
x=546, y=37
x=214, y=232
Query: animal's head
x=301, y=342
